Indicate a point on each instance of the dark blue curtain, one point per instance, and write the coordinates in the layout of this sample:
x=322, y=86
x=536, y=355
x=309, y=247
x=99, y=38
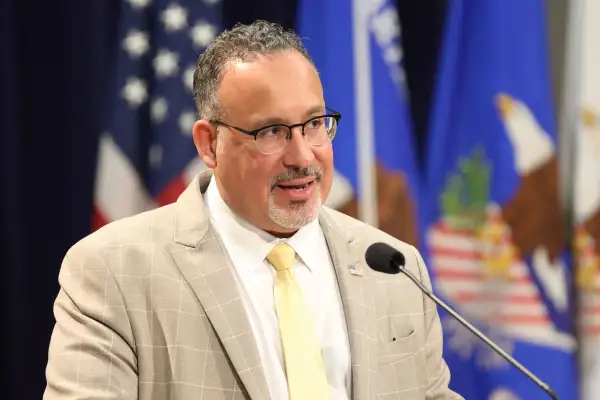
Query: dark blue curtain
x=54, y=66
x=422, y=22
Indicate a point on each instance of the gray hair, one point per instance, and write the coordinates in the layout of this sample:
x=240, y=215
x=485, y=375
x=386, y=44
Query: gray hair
x=241, y=43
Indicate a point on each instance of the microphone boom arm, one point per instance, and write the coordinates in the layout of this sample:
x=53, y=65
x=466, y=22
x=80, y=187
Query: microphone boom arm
x=477, y=333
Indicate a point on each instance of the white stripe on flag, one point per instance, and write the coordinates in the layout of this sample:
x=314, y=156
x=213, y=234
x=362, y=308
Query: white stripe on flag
x=450, y=288
x=118, y=191
x=476, y=267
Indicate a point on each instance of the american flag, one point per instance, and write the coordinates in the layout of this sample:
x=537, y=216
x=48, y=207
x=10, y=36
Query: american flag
x=146, y=155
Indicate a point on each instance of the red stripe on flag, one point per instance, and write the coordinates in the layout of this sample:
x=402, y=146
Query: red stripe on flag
x=459, y=254
x=591, y=330
x=595, y=309
x=522, y=319
x=489, y=297
x=98, y=218
x=446, y=230
x=171, y=192
x=450, y=274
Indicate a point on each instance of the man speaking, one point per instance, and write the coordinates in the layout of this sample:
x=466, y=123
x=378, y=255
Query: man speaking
x=247, y=287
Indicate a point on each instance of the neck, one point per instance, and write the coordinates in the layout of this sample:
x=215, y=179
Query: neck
x=281, y=235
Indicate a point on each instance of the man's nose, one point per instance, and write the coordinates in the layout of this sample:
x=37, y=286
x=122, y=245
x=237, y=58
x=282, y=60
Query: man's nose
x=298, y=152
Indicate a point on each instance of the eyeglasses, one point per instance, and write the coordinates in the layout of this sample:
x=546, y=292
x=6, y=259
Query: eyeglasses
x=272, y=139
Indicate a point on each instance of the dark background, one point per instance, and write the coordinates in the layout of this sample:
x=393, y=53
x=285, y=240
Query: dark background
x=54, y=59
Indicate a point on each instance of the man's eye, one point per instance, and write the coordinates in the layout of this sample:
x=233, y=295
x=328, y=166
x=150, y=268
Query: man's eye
x=315, y=123
x=272, y=131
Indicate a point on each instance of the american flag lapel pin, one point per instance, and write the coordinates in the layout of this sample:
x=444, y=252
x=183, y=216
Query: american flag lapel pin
x=356, y=269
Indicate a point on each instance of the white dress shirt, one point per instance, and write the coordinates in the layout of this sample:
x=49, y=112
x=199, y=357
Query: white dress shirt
x=247, y=248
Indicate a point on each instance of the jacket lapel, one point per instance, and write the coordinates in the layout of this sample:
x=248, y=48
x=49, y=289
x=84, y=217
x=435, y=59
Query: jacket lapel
x=358, y=299
x=209, y=273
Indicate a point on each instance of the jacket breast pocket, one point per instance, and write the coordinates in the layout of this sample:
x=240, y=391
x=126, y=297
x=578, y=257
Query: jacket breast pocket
x=398, y=348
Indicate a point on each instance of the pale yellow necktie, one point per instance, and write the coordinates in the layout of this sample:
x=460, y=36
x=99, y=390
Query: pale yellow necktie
x=304, y=366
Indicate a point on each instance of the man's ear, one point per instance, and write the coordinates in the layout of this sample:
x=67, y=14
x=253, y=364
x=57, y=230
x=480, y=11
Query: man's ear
x=205, y=136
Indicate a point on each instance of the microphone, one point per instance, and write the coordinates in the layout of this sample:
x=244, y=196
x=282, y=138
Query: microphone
x=382, y=257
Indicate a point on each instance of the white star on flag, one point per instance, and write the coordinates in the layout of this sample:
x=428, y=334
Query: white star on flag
x=158, y=110
x=174, y=17
x=386, y=26
x=139, y=4
x=136, y=43
x=135, y=92
x=393, y=54
x=374, y=5
x=202, y=34
x=186, y=122
x=188, y=78
x=155, y=155
x=166, y=63
x=212, y=2
x=399, y=77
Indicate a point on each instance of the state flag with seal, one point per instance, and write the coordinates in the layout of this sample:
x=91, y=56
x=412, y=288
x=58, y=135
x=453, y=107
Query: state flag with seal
x=493, y=228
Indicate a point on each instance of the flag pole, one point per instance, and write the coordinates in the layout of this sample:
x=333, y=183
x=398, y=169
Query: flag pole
x=570, y=106
x=570, y=113
x=363, y=103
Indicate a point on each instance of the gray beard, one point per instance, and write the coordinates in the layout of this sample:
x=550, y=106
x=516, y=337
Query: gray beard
x=297, y=215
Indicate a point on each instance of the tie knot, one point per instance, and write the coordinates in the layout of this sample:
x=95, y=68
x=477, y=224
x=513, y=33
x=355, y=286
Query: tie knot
x=282, y=256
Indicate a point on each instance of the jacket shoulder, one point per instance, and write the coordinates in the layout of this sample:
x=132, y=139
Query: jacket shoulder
x=368, y=234
x=151, y=225
x=136, y=237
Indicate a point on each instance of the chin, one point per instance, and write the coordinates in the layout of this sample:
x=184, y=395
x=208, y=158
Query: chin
x=295, y=215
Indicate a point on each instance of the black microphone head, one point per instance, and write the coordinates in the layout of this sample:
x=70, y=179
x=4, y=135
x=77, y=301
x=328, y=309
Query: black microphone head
x=384, y=258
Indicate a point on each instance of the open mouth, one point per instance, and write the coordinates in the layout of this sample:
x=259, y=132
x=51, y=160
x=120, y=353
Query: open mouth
x=297, y=189
x=297, y=184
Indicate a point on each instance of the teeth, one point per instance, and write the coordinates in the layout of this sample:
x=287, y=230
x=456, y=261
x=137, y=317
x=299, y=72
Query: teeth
x=297, y=187
x=300, y=187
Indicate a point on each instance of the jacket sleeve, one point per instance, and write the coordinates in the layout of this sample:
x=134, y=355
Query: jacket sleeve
x=91, y=354
x=438, y=374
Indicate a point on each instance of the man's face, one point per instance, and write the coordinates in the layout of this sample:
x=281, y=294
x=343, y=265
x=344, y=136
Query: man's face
x=278, y=192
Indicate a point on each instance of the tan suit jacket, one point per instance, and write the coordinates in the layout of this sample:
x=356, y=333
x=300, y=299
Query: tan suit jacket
x=149, y=309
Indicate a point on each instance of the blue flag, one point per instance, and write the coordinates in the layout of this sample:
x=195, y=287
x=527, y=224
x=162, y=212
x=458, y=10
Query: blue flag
x=492, y=219
x=359, y=58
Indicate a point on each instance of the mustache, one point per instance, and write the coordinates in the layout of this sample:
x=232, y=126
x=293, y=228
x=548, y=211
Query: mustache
x=297, y=173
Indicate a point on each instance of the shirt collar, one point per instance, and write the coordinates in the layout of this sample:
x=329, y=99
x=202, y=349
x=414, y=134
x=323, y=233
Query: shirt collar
x=239, y=235
x=307, y=243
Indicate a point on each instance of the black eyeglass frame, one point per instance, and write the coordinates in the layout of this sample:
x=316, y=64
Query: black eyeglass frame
x=334, y=114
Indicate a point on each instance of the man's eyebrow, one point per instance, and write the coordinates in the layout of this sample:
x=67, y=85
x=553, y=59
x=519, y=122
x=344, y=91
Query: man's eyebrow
x=318, y=109
x=315, y=110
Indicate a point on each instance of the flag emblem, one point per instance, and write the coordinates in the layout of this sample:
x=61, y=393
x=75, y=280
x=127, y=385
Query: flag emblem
x=482, y=253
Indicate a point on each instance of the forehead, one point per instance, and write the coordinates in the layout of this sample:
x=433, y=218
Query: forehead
x=282, y=84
